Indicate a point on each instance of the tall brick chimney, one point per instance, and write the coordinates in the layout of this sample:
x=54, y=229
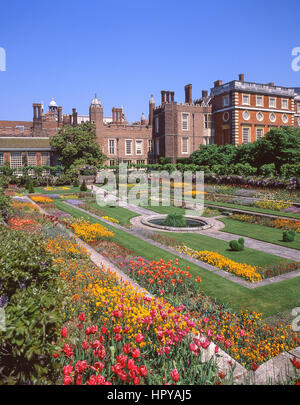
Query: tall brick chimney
x=188, y=94
x=204, y=93
x=59, y=116
x=241, y=77
x=34, y=106
x=74, y=117
x=37, y=119
x=151, y=109
x=218, y=83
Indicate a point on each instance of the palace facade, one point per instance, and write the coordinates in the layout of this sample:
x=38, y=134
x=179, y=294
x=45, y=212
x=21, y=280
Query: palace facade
x=235, y=112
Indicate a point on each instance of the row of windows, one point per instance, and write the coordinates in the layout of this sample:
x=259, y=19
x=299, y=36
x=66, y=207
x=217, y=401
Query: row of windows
x=246, y=134
x=127, y=161
x=18, y=160
x=112, y=146
x=260, y=117
x=185, y=145
x=185, y=122
x=260, y=101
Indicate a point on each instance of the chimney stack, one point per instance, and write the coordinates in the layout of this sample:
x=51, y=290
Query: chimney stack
x=204, y=93
x=188, y=94
x=74, y=117
x=59, y=116
x=241, y=77
x=218, y=83
x=151, y=109
x=34, y=105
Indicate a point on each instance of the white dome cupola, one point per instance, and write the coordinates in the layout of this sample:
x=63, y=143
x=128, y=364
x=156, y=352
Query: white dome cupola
x=95, y=101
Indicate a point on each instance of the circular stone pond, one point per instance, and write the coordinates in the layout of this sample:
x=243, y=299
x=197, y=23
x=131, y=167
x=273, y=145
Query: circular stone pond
x=192, y=223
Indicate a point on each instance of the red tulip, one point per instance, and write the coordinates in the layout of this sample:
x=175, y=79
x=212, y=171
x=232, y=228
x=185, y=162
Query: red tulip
x=64, y=332
x=175, y=375
x=81, y=317
x=139, y=338
x=67, y=380
x=67, y=370
x=142, y=370
x=135, y=353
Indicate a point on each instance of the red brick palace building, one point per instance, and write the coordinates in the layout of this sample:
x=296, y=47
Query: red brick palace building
x=236, y=112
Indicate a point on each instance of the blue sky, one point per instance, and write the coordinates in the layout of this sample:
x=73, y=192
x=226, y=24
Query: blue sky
x=125, y=51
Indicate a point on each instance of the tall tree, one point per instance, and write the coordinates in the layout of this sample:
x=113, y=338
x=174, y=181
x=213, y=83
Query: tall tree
x=279, y=146
x=77, y=146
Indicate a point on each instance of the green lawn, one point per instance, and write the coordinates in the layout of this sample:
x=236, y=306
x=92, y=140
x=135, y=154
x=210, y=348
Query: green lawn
x=196, y=241
x=203, y=242
x=260, y=232
x=269, y=300
x=121, y=214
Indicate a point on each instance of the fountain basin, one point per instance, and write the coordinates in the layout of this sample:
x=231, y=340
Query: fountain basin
x=194, y=223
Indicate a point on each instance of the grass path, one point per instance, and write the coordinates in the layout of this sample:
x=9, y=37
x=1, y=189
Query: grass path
x=270, y=300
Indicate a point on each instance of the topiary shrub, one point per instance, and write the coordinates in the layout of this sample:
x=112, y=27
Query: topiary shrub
x=30, y=188
x=288, y=236
x=83, y=186
x=237, y=245
x=175, y=220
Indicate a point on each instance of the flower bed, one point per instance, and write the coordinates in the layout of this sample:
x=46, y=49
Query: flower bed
x=90, y=232
x=279, y=223
x=273, y=205
x=56, y=188
x=110, y=219
x=124, y=336
x=246, y=337
x=41, y=199
x=246, y=271
x=165, y=278
x=120, y=321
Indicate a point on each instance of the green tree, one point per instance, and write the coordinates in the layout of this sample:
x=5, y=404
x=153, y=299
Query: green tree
x=279, y=146
x=209, y=155
x=77, y=146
